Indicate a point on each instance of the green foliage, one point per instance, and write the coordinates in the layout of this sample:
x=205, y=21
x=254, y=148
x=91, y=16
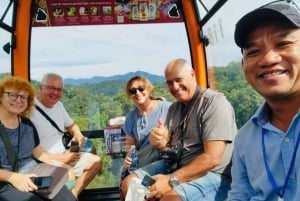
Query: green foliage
x=91, y=105
x=230, y=81
x=4, y=75
x=105, y=178
x=108, y=87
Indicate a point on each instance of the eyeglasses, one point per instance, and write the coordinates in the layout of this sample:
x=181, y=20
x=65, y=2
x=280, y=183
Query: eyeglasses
x=14, y=96
x=53, y=88
x=283, y=1
x=133, y=90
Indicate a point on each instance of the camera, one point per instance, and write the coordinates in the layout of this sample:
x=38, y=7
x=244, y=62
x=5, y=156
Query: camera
x=74, y=146
x=171, y=157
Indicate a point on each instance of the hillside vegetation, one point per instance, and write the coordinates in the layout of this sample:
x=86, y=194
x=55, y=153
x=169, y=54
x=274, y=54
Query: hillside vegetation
x=106, y=99
x=91, y=105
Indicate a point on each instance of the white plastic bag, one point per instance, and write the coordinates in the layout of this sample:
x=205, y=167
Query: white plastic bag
x=136, y=191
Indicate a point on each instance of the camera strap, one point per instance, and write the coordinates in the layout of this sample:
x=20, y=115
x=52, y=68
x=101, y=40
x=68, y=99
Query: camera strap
x=11, y=154
x=49, y=119
x=187, y=111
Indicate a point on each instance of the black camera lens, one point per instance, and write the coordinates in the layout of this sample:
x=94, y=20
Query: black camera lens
x=171, y=158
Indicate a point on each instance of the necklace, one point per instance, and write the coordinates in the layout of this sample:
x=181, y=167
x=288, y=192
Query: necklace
x=144, y=120
x=144, y=111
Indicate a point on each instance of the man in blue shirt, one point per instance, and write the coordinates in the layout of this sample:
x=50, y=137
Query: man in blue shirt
x=266, y=161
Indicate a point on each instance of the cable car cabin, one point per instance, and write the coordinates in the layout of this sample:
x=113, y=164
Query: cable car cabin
x=97, y=45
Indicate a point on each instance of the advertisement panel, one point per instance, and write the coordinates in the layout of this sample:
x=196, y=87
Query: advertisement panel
x=97, y=12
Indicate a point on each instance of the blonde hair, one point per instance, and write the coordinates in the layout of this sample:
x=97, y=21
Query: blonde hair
x=19, y=84
x=148, y=86
x=146, y=82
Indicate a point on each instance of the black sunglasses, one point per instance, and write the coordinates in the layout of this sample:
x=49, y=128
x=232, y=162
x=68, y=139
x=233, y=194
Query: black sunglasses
x=133, y=90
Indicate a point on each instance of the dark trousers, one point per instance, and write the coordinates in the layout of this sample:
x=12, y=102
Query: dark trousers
x=12, y=194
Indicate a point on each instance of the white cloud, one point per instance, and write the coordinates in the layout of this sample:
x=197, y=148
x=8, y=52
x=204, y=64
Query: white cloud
x=220, y=29
x=104, y=50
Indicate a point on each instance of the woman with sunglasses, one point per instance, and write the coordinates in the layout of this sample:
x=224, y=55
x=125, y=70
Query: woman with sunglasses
x=142, y=118
x=16, y=102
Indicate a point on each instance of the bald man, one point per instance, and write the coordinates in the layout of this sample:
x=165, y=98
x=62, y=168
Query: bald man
x=199, y=131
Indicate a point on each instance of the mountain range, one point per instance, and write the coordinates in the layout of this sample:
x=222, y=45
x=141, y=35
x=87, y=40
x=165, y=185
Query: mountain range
x=97, y=79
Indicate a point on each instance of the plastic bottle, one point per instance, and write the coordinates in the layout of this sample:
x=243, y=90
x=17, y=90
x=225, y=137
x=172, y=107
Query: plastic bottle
x=88, y=145
x=134, y=159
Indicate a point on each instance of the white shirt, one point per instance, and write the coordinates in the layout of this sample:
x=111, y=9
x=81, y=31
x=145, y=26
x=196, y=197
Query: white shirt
x=50, y=137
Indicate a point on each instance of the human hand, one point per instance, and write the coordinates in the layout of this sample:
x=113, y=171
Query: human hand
x=23, y=182
x=80, y=139
x=159, y=135
x=70, y=157
x=127, y=161
x=160, y=187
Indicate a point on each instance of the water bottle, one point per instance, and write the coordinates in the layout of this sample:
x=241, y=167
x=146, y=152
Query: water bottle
x=88, y=145
x=134, y=159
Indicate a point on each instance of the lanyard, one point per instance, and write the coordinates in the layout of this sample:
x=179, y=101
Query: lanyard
x=270, y=176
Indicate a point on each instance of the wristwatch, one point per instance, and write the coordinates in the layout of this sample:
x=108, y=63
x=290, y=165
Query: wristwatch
x=173, y=181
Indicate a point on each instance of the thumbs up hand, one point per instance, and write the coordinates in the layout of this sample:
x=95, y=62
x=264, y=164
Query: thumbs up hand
x=159, y=135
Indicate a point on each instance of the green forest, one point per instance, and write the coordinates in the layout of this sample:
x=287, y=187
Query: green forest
x=91, y=105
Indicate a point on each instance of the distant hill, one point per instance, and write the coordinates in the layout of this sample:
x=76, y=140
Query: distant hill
x=97, y=79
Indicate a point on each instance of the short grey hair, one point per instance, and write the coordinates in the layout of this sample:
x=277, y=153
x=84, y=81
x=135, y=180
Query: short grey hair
x=51, y=75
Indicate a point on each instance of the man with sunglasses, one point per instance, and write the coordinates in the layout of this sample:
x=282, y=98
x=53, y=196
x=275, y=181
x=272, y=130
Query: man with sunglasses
x=266, y=161
x=85, y=165
x=195, y=142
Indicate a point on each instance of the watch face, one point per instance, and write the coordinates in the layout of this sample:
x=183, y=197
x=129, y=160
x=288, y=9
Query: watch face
x=171, y=184
x=173, y=181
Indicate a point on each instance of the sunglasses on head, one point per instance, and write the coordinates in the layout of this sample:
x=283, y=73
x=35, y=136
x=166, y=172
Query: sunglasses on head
x=133, y=90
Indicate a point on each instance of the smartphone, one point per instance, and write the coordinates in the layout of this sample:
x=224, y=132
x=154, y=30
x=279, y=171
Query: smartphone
x=42, y=182
x=74, y=147
x=148, y=181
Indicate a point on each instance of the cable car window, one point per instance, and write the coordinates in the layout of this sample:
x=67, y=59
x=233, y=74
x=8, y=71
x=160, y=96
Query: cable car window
x=219, y=30
x=5, y=37
x=96, y=60
x=224, y=58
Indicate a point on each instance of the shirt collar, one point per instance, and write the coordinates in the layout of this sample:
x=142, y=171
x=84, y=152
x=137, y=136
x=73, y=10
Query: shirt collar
x=262, y=114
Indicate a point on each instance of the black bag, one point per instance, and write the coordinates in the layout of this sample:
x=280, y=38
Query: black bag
x=66, y=139
x=146, y=155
